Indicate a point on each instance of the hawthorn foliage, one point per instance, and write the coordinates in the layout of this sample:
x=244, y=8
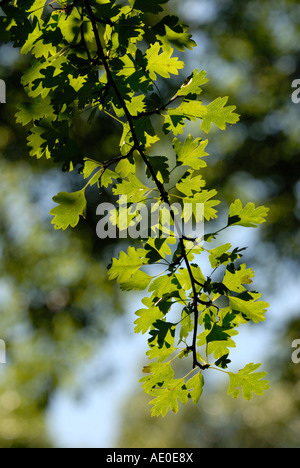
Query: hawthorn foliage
x=102, y=55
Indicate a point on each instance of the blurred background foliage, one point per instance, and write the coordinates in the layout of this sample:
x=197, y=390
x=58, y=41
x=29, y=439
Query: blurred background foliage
x=56, y=303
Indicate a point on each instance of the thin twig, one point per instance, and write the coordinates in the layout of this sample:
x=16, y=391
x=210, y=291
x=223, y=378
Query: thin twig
x=158, y=110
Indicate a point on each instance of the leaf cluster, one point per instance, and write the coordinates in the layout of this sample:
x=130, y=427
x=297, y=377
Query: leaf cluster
x=102, y=56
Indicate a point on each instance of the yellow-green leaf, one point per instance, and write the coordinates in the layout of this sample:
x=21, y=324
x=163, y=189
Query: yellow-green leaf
x=71, y=206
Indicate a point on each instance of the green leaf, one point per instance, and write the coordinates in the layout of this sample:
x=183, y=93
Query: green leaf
x=217, y=336
x=180, y=39
x=193, y=83
x=161, y=63
x=250, y=307
x=167, y=398
x=133, y=188
x=71, y=207
x=195, y=387
x=216, y=255
x=125, y=168
x=89, y=167
x=234, y=279
x=217, y=333
x=220, y=349
x=72, y=25
x=157, y=373
x=158, y=249
x=37, y=143
x=161, y=354
x=36, y=110
x=108, y=177
x=218, y=114
x=223, y=362
x=189, y=184
x=127, y=265
x=161, y=168
x=184, y=278
x=144, y=132
x=191, y=152
x=19, y=27
x=33, y=75
x=187, y=324
x=162, y=285
x=248, y=381
x=248, y=216
x=32, y=39
x=222, y=256
x=136, y=105
x=190, y=110
x=201, y=198
x=36, y=8
x=162, y=334
x=147, y=316
x=139, y=281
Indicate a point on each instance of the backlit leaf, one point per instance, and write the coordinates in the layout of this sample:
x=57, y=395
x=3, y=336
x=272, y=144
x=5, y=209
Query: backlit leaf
x=248, y=381
x=250, y=216
x=195, y=386
x=127, y=264
x=193, y=84
x=220, y=115
x=235, y=279
x=191, y=152
x=250, y=307
x=71, y=206
x=161, y=62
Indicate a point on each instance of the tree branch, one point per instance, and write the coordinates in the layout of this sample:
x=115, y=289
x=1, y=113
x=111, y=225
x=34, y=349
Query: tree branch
x=163, y=193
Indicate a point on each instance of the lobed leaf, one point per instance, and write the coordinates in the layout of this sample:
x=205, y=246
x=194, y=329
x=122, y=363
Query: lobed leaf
x=235, y=279
x=126, y=265
x=193, y=84
x=167, y=397
x=161, y=62
x=139, y=281
x=146, y=317
x=250, y=216
x=191, y=152
x=249, y=382
x=250, y=307
x=218, y=114
x=71, y=207
x=180, y=38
